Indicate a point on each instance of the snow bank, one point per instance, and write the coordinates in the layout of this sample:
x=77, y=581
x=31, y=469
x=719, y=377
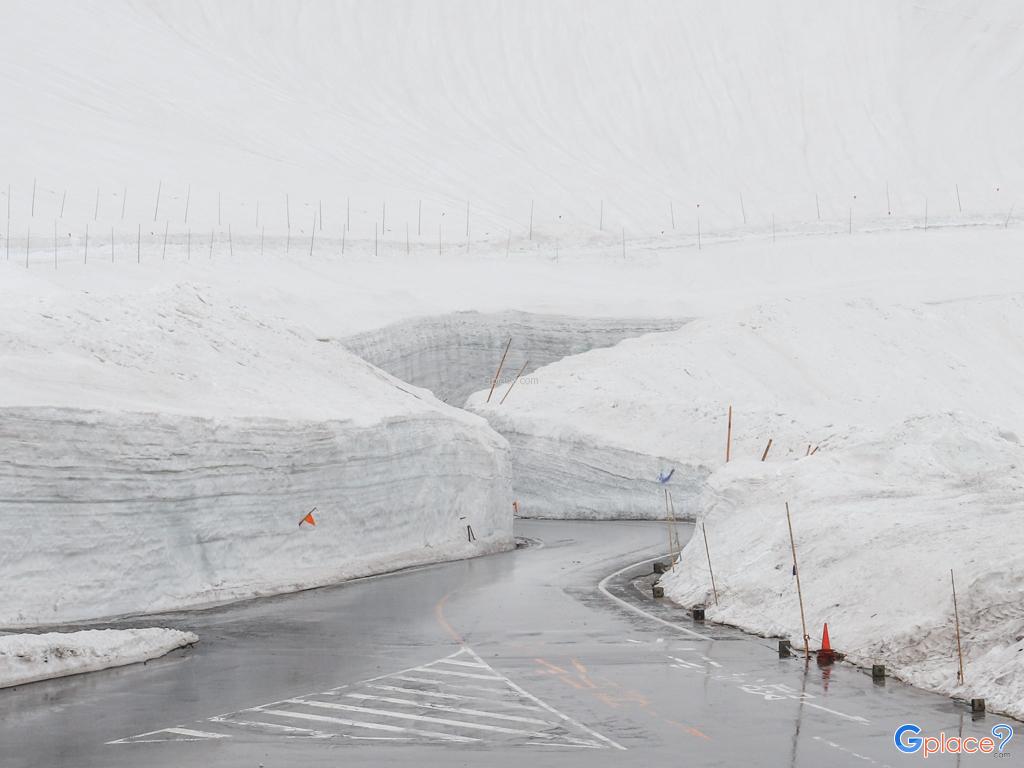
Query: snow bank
x=29, y=658
x=917, y=412
x=799, y=372
x=879, y=522
x=160, y=446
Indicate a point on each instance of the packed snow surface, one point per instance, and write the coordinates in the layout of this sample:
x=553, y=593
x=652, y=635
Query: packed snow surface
x=30, y=658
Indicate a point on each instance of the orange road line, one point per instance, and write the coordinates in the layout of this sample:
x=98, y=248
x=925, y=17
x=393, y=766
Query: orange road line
x=439, y=614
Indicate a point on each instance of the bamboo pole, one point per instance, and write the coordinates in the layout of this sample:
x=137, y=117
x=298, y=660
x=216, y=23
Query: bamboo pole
x=959, y=649
x=766, y=449
x=711, y=570
x=514, y=382
x=497, y=373
x=799, y=591
x=728, y=437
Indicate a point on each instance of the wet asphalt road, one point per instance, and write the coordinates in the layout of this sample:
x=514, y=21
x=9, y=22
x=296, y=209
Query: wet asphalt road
x=505, y=660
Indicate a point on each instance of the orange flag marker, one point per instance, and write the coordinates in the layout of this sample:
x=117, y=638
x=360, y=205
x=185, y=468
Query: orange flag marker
x=308, y=519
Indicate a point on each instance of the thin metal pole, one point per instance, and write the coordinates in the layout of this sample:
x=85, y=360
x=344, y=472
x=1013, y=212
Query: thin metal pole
x=799, y=592
x=956, y=615
x=514, y=382
x=497, y=373
x=710, y=569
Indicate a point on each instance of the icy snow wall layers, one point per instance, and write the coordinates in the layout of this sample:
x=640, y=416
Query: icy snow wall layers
x=454, y=355
x=160, y=443
x=113, y=513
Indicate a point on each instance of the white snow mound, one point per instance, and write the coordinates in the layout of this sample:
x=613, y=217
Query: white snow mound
x=28, y=658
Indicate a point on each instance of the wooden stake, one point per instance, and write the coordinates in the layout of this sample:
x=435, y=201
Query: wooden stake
x=167, y=225
x=743, y=210
x=497, y=373
x=958, y=206
x=766, y=449
x=156, y=209
x=728, y=437
x=188, y=199
x=212, y=237
x=710, y=569
x=231, y=243
x=33, y=197
x=63, y=199
x=815, y=450
x=124, y=202
x=312, y=236
x=514, y=382
x=799, y=592
x=808, y=453
x=96, y=212
x=817, y=206
x=672, y=214
x=956, y=616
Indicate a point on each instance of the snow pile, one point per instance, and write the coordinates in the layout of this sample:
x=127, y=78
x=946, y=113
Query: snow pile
x=917, y=413
x=29, y=658
x=591, y=434
x=879, y=522
x=160, y=445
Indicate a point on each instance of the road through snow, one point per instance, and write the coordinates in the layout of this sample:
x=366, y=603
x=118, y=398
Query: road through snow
x=501, y=658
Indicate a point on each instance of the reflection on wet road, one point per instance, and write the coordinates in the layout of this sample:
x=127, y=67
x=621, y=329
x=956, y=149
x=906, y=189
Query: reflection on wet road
x=553, y=649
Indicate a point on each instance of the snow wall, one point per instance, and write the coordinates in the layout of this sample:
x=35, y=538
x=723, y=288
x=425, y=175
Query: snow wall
x=114, y=513
x=455, y=355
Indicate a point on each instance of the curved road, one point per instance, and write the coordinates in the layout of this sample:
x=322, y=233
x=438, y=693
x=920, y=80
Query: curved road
x=553, y=653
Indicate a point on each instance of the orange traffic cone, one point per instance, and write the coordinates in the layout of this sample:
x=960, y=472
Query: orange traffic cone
x=826, y=655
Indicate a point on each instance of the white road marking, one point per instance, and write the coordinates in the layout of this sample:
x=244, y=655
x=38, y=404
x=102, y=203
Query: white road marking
x=457, y=663
x=455, y=697
x=453, y=673
x=551, y=709
x=287, y=729
x=419, y=718
x=601, y=586
x=854, y=718
x=463, y=712
x=188, y=733
x=453, y=710
x=371, y=726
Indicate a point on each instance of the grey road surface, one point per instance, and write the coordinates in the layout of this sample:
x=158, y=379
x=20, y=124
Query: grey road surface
x=550, y=655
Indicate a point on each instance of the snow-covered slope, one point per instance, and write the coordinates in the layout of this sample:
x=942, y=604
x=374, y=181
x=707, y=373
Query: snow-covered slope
x=747, y=110
x=29, y=658
x=917, y=413
x=798, y=372
x=879, y=522
x=160, y=446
